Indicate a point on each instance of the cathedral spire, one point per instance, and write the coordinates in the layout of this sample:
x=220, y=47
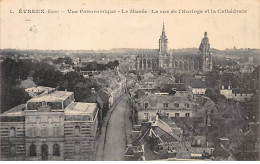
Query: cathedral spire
x=163, y=41
x=163, y=30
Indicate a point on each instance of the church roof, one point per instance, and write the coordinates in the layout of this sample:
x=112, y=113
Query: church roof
x=148, y=53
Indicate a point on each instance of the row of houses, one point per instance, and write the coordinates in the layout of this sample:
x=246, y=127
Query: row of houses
x=237, y=94
x=114, y=84
x=153, y=139
x=155, y=135
x=165, y=82
x=175, y=104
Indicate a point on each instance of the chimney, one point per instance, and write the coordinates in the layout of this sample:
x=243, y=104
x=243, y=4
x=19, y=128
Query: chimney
x=93, y=95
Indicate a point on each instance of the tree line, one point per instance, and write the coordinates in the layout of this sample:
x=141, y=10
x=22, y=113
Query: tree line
x=13, y=72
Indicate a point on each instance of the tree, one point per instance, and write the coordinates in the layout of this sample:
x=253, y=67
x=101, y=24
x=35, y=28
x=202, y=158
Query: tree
x=116, y=63
x=66, y=60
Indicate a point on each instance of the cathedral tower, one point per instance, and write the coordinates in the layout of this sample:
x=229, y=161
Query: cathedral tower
x=163, y=42
x=206, y=55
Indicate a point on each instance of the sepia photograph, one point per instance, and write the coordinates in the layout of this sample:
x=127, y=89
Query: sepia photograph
x=129, y=80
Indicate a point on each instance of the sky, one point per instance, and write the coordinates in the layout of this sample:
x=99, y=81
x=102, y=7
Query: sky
x=105, y=31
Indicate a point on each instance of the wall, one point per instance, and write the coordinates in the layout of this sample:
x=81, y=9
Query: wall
x=44, y=128
x=199, y=91
x=227, y=93
x=167, y=113
x=17, y=141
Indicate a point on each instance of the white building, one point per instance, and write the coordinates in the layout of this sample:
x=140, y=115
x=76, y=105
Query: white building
x=236, y=94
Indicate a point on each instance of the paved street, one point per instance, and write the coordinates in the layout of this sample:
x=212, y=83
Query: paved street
x=118, y=130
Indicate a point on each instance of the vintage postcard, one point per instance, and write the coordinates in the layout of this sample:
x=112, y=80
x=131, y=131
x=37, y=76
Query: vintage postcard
x=129, y=80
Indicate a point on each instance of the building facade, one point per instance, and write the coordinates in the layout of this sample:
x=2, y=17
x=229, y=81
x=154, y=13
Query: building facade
x=236, y=94
x=169, y=106
x=163, y=59
x=50, y=127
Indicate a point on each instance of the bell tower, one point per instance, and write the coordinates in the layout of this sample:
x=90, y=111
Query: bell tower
x=163, y=41
x=206, y=55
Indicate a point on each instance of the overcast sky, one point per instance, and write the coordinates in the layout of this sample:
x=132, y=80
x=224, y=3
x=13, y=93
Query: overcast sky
x=106, y=31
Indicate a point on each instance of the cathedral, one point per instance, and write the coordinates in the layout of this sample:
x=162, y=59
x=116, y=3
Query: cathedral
x=176, y=63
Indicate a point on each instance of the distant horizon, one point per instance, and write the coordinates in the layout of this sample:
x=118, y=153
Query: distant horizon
x=237, y=48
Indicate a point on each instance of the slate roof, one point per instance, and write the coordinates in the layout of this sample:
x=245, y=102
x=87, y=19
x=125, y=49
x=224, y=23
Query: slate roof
x=164, y=80
x=28, y=83
x=168, y=87
x=51, y=97
x=17, y=110
x=195, y=83
x=166, y=128
x=155, y=99
x=160, y=130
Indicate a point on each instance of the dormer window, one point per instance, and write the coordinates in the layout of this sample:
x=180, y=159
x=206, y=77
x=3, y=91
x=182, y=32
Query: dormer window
x=166, y=104
x=176, y=104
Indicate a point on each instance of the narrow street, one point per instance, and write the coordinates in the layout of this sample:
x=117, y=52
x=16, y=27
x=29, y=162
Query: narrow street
x=116, y=135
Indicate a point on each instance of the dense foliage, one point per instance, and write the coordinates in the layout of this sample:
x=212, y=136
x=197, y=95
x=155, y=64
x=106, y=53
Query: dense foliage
x=13, y=72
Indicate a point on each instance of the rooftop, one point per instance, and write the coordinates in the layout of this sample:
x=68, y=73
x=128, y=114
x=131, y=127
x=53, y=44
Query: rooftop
x=195, y=83
x=168, y=87
x=77, y=108
x=17, y=110
x=155, y=99
x=51, y=97
x=28, y=83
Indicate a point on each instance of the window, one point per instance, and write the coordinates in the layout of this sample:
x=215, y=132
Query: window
x=33, y=132
x=12, y=132
x=166, y=104
x=56, y=150
x=176, y=104
x=77, y=130
x=13, y=149
x=44, y=104
x=32, y=150
x=55, y=131
x=187, y=105
x=187, y=114
x=44, y=132
x=177, y=114
x=77, y=148
x=146, y=116
x=146, y=105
